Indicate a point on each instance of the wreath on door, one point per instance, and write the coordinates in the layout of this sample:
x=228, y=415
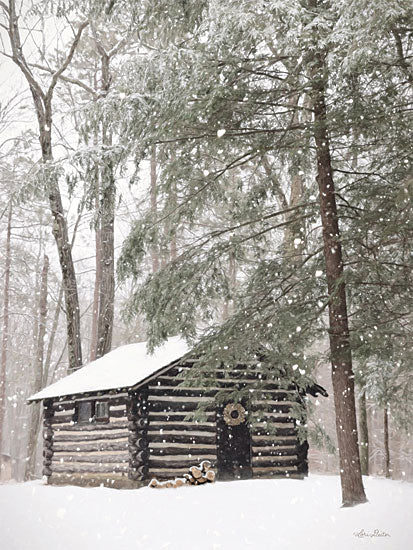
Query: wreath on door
x=234, y=414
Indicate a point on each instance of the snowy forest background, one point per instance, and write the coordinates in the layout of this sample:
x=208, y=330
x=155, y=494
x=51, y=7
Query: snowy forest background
x=179, y=138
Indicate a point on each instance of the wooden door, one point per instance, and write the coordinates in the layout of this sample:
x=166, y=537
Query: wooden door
x=233, y=442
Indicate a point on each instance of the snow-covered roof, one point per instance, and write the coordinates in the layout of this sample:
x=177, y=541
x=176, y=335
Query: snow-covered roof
x=123, y=367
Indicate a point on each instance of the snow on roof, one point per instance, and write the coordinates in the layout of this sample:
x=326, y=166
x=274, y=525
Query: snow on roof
x=121, y=368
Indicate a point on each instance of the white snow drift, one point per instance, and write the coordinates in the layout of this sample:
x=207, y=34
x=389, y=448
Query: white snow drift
x=255, y=515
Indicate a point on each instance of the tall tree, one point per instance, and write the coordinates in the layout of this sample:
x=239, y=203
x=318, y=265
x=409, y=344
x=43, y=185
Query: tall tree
x=226, y=94
x=5, y=325
x=39, y=373
x=43, y=104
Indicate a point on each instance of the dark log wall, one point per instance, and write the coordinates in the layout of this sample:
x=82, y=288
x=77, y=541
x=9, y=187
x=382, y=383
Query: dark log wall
x=173, y=444
x=147, y=435
x=96, y=451
x=274, y=443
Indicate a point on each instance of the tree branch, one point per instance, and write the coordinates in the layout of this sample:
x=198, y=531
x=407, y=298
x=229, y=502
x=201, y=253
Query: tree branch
x=68, y=79
x=66, y=62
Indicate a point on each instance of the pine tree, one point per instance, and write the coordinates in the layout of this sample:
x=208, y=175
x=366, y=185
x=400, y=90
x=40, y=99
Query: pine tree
x=219, y=95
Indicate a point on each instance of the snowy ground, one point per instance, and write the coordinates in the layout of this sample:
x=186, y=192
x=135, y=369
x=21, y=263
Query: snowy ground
x=262, y=514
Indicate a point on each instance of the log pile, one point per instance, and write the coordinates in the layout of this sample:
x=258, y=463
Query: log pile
x=198, y=475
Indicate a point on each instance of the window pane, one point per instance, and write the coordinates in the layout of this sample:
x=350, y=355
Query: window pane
x=102, y=409
x=84, y=411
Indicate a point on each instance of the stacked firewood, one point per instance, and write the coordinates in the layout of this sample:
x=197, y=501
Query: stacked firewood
x=198, y=475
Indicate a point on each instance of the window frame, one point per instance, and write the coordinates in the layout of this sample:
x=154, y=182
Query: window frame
x=93, y=419
x=101, y=419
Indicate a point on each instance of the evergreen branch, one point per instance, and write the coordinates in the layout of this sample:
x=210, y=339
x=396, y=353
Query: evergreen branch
x=220, y=232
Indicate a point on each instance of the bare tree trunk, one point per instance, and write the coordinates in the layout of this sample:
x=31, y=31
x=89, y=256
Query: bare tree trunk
x=386, y=442
x=364, y=434
x=340, y=351
x=107, y=222
x=5, y=328
x=52, y=337
x=34, y=423
x=229, y=304
x=43, y=107
x=154, y=209
x=98, y=274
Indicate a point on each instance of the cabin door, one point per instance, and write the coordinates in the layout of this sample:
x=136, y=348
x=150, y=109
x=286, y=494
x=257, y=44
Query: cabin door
x=233, y=442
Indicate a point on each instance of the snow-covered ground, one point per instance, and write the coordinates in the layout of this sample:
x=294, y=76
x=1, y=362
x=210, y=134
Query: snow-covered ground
x=262, y=515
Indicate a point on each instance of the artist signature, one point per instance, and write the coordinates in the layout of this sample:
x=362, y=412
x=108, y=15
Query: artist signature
x=372, y=534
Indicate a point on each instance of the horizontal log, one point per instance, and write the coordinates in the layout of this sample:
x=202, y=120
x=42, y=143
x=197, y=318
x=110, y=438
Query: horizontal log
x=268, y=440
x=192, y=459
x=273, y=450
x=174, y=451
x=114, y=398
x=187, y=426
x=62, y=419
x=177, y=406
x=70, y=412
x=117, y=413
x=280, y=418
x=181, y=437
x=90, y=468
x=101, y=458
x=271, y=406
x=166, y=473
x=108, y=426
x=198, y=391
x=177, y=399
x=176, y=416
x=237, y=374
x=206, y=435
x=279, y=432
x=262, y=461
x=97, y=446
x=223, y=383
x=275, y=469
x=183, y=463
x=278, y=475
x=177, y=390
x=271, y=424
x=90, y=437
x=189, y=446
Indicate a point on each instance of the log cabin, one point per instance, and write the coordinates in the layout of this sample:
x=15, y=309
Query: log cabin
x=126, y=418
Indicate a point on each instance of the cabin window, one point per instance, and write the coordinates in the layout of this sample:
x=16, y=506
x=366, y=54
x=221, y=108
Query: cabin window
x=91, y=411
x=102, y=411
x=84, y=412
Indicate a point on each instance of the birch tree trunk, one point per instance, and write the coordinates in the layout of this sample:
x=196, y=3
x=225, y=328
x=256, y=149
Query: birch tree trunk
x=5, y=327
x=34, y=423
x=340, y=351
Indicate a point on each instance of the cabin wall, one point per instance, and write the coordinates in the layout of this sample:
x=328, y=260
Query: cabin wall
x=147, y=435
x=83, y=453
x=275, y=448
x=173, y=444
